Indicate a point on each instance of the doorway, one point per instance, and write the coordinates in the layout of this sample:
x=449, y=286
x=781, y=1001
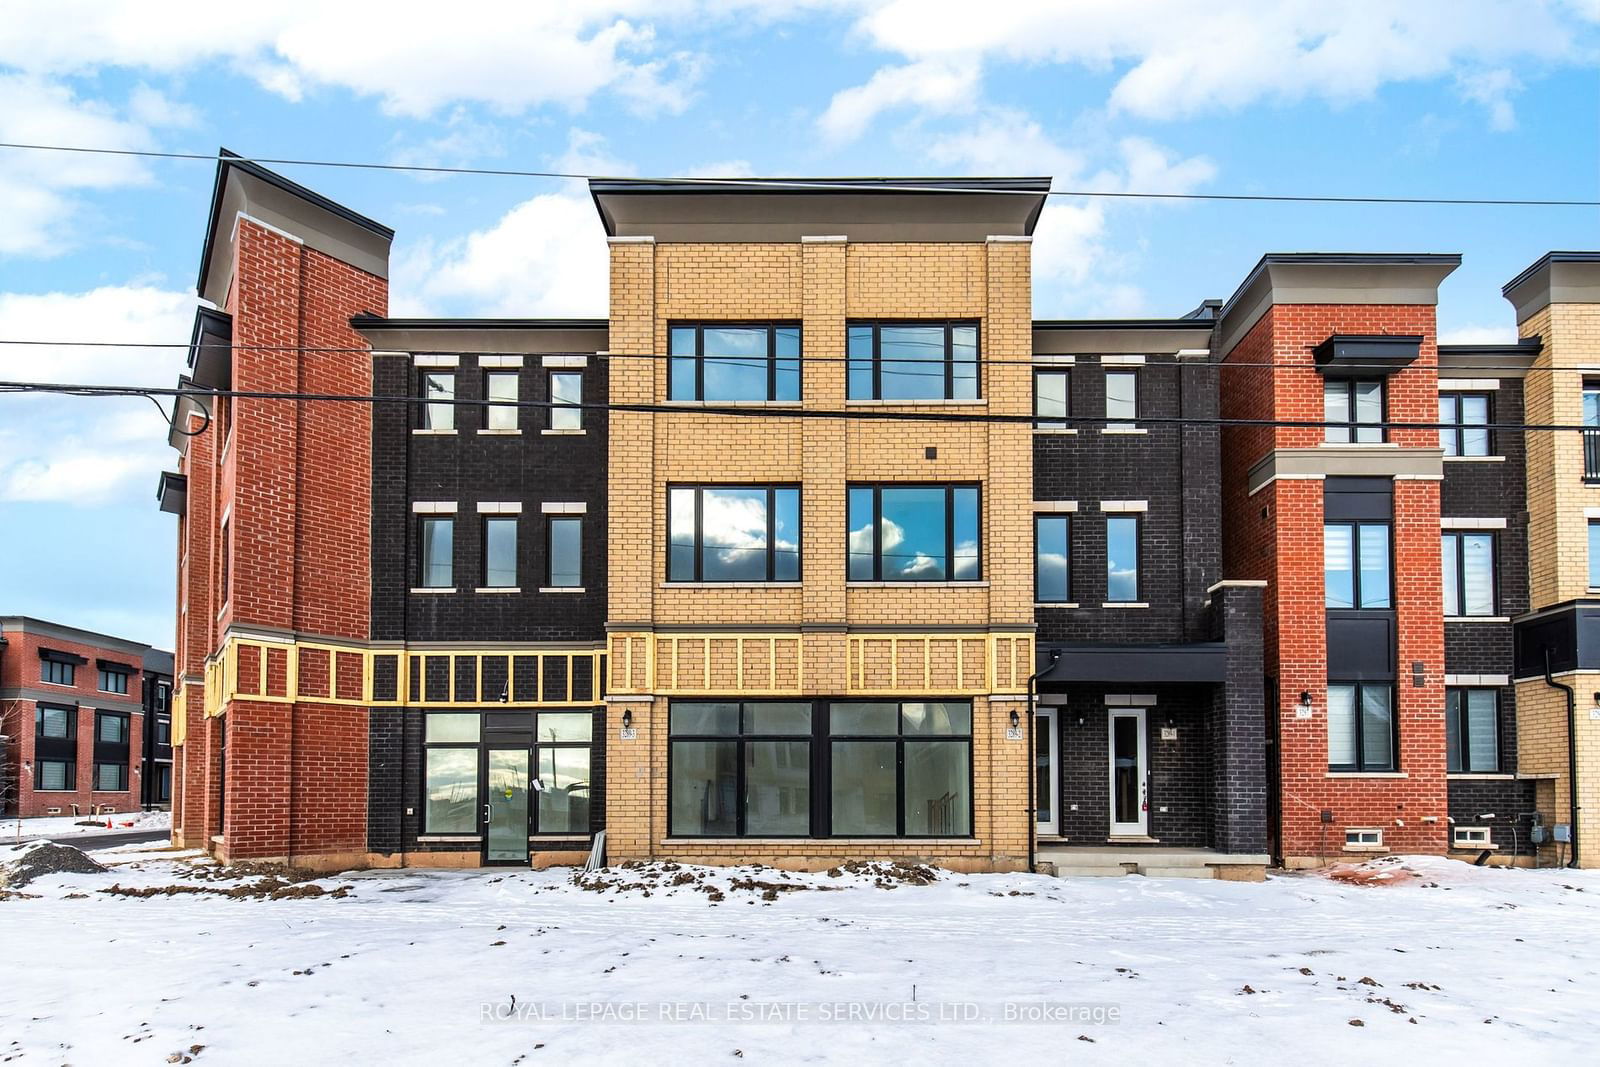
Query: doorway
x=505, y=808
x=1130, y=773
x=1046, y=773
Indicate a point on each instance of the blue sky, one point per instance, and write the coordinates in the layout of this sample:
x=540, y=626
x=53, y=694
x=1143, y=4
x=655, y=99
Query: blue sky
x=1430, y=97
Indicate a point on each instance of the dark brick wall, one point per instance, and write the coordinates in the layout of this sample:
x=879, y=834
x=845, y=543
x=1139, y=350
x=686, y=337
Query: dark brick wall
x=1475, y=489
x=1236, y=727
x=466, y=467
x=1175, y=469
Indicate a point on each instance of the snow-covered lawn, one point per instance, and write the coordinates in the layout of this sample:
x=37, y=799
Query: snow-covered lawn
x=420, y=967
x=62, y=825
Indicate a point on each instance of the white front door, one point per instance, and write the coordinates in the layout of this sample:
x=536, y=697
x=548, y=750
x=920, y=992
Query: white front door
x=1046, y=773
x=1129, y=773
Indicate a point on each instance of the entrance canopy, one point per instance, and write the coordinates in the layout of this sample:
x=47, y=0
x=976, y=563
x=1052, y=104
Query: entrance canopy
x=1199, y=661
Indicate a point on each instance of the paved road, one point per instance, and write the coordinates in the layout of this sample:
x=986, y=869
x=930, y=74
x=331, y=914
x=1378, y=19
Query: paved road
x=89, y=842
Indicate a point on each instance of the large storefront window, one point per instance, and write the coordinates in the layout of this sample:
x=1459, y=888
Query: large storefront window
x=451, y=774
x=769, y=769
x=461, y=755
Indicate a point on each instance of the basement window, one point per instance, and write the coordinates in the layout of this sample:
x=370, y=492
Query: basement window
x=1363, y=839
x=1470, y=837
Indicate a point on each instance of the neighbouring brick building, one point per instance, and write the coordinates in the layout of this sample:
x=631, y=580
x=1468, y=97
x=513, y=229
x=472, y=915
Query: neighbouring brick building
x=557, y=581
x=80, y=713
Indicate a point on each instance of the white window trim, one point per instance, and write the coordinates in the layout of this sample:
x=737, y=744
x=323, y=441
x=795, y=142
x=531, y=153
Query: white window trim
x=1364, y=846
x=1125, y=604
x=1130, y=700
x=507, y=507
x=515, y=432
x=1471, y=524
x=573, y=432
x=435, y=361
x=434, y=589
x=433, y=507
x=497, y=589
x=1048, y=361
x=565, y=362
x=1126, y=430
x=1058, y=506
x=1469, y=385
x=424, y=432
x=1122, y=361
x=1123, y=507
x=1485, y=842
x=568, y=508
x=1477, y=681
x=500, y=362
x=562, y=589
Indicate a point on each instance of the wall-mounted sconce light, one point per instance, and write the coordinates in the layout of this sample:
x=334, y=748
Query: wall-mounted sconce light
x=1016, y=720
x=627, y=718
x=1305, y=698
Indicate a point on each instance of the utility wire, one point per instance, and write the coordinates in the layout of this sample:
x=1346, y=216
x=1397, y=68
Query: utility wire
x=876, y=184
x=1041, y=361
x=70, y=389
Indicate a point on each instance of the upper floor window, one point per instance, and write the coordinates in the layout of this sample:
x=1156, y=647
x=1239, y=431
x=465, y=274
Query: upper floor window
x=733, y=363
x=1052, y=559
x=913, y=361
x=566, y=398
x=1468, y=560
x=1122, y=559
x=1122, y=398
x=113, y=680
x=500, y=552
x=226, y=552
x=1594, y=553
x=57, y=723
x=1353, y=410
x=437, y=554
x=1051, y=391
x=1355, y=564
x=1361, y=727
x=1591, y=404
x=1465, y=419
x=57, y=673
x=1591, y=433
x=439, y=390
x=1472, y=731
x=565, y=547
x=500, y=389
x=733, y=533
x=111, y=727
x=914, y=533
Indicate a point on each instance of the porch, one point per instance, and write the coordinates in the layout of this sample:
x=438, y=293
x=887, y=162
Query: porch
x=1153, y=861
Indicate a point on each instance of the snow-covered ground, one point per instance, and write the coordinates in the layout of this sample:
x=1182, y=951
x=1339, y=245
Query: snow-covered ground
x=63, y=825
x=420, y=967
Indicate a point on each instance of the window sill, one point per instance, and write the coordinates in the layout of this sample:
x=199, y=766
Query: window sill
x=59, y=685
x=55, y=790
x=1474, y=459
x=1359, y=444
x=1366, y=848
x=1054, y=432
x=1471, y=846
x=1126, y=431
x=916, y=585
x=692, y=404
x=730, y=585
x=1125, y=604
x=1367, y=774
x=500, y=433
x=432, y=433
x=1477, y=618
x=1055, y=604
x=981, y=402
x=562, y=589
x=498, y=589
x=441, y=839
x=434, y=590
x=1479, y=776
x=563, y=433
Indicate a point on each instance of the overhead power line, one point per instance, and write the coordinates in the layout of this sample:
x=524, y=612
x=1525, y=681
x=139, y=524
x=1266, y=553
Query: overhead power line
x=879, y=184
x=1041, y=361
x=853, y=414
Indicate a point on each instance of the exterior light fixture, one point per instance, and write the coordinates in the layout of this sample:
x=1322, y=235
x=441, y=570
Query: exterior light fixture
x=1015, y=720
x=1305, y=698
x=627, y=718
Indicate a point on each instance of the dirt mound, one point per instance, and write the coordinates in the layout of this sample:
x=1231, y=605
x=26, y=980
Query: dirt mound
x=20, y=865
x=1389, y=871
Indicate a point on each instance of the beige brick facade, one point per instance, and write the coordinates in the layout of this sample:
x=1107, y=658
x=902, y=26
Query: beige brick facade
x=823, y=637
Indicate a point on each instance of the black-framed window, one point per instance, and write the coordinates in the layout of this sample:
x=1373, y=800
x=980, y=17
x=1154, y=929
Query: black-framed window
x=55, y=775
x=564, y=552
x=1052, y=559
x=163, y=782
x=733, y=533
x=1353, y=410
x=562, y=760
x=1052, y=399
x=500, y=551
x=436, y=536
x=502, y=389
x=740, y=769
x=111, y=727
x=438, y=389
x=58, y=724
x=1472, y=731
x=227, y=559
x=1594, y=553
x=1464, y=419
x=57, y=672
x=113, y=680
x=915, y=533
x=912, y=361
x=1468, y=562
x=1356, y=565
x=1122, y=398
x=110, y=777
x=566, y=400
x=1362, y=730
x=163, y=731
x=900, y=769
x=730, y=362
x=450, y=772
x=1122, y=558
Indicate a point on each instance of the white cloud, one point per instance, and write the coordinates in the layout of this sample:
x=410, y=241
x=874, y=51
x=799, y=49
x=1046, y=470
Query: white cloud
x=1493, y=89
x=935, y=85
x=1175, y=58
x=79, y=450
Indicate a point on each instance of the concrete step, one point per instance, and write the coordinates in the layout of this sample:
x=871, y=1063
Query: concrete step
x=1086, y=871
x=1177, y=872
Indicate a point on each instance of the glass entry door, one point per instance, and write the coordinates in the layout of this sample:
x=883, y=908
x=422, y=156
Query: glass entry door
x=505, y=808
x=1129, y=774
x=1046, y=773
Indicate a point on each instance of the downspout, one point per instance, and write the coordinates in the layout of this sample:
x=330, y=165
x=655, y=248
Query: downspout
x=1033, y=770
x=1572, y=755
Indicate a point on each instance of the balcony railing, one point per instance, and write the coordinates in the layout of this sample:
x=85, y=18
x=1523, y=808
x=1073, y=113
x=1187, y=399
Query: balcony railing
x=1591, y=455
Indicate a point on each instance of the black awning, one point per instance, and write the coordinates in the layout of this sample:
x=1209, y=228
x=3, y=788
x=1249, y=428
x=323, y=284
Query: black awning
x=57, y=656
x=113, y=665
x=1367, y=353
x=173, y=492
x=211, y=349
x=1200, y=661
